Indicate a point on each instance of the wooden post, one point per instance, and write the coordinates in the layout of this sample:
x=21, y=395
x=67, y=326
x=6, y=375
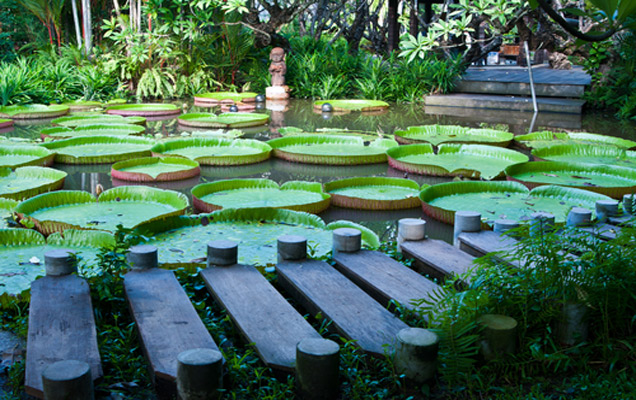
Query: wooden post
x=317, y=365
x=222, y=252
x=142, y=257
x=465, y=221
x=579, y=217
x=68, y=380
x=291, y=247
x=199, y=374
x=541, y=223
x=627, y=203
x=346, y=240
x=410, y=229
x=606, y=209
x=572, y=326
x=499, y=335
x=416, y=354
x=59, y=262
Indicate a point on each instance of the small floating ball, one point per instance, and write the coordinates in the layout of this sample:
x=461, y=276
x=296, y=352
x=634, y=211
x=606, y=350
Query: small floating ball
x=327, y=107
x=260, y=98
x=233, y=108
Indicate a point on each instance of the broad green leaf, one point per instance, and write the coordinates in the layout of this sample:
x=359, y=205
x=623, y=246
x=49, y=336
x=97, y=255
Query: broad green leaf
x=14, y=156
x=438, y=134
x=228, y=96
x=33, y=111
x=73, y=121
x=353, y=105
x=589, y=154
x=25, y=182
x=225, y=120
x=149, y=169
x=99, y=149
x=215, y=151
x=374, y=193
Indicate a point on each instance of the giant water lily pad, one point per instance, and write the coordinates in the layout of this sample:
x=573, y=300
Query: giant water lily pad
x=547, y=138
x=611, y=181
x=215, y=98
x=331, y=150
x=22, y=253
x=503, y=200
x=294, y=131
x=33, y=111
x=99, y=149
x=469, y=160
x=225, y=120
x=73, y=121
x=144, y=110
x=128, y=206
x=25, y=182
x=83, y=105
x=155, y=169
x=14, y=156
x=588, y=154
x=258, y=193
x=183, y=240
x=438, y=134
x=353, y=105
x=374, y=193
x=5, y=123
x=215, y=151
x=61, y=132
x=6, y=210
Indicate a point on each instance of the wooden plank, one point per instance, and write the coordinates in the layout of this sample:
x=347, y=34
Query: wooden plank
x=168, y=323
x=481, y=243
x=437, y=258
x=262, y=315
x=603, y=231
x=61, y=327
x=320, y=288
x=384, y=278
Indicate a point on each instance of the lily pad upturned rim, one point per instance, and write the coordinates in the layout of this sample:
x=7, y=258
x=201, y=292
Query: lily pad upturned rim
x=295, y=131
x=409, y=136
x=225, y=97
x=616, y=192
x=224, y=160
x=203, y=189
x=543, y=138
x=44, y=156
x=62, y=132
x=580, y=151
x=73, y=121
x=144, y=109
x=224, y=120
x=176, y=200
x=372, y=204
x=348, y=105
x=5, y=123
x=83, y=105
x=37, y=111
x=190, y=169
x=62, y=158
x=394, y=155
x=279, y=145
x=55, y=179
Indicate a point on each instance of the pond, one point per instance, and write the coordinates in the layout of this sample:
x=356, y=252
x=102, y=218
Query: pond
x=300, y=113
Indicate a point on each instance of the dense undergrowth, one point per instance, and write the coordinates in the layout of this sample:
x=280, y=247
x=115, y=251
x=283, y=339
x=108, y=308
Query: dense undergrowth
x=568, y=268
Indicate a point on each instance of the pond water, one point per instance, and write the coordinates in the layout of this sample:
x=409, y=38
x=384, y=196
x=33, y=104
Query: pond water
x=300, y=113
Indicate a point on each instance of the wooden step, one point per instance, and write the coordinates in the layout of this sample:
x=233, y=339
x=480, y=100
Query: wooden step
x=262, y=315
x=603, y=231
x=168, y=323
x=384, y=278
x=437, y=258
x=322, y=289
x=503, y=102
x=61, y=327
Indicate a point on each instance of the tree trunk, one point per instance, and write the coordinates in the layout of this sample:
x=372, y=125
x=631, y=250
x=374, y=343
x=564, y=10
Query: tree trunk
x=78, y=32
x=86, y=18
x=413, y=18
x=393, y=28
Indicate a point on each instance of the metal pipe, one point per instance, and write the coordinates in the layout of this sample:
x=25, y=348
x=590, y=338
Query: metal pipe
x=534, y=95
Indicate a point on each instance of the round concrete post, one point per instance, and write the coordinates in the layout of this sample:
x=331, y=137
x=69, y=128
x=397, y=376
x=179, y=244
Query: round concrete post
x=504, y=225
x=143, y=257
x=627, y=203
x=416, y=354
x=499, y=336
x=606, y=209
x=540, y=223
x=59, y=262
x=573, y=325
x=346, y=240
x=67, y=380
x=410, y=229
x=579, y=217
x=291, y=247
x=317, y=365
x=222, y=252
x=466, y=221
x=199, y=374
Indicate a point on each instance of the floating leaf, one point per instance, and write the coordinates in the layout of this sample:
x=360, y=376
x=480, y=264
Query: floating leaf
x=14, y=156
x=99, y=149
x=438, y=134
x=144, y=110
x=60, y=132
x=225, y=97
x=369, y=193
x=25, y=182
x=215, y=151
x=155, y=169
x=225, y=120
x=33, y=111
x=547, y=138
x=73, y=121
x=353, y=105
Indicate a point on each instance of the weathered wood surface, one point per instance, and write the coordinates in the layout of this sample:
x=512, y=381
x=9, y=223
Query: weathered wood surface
x=624, y=220
x=603, y=231
x=480, y=243
x=384, y=278
x=541, y=74
x=262, y=315
x=168, y=323
x=61, y=327
x=437, y=258
x=321, y=288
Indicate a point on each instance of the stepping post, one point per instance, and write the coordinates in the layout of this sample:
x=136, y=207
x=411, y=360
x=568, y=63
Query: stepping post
x=410, y=229
x=541, y=223
x=291, y=248
x=627, y=203
x=199, y=374
x=504, y=225
x=579, y=216
x=59, y=262
x=416, y=354
x=499, y=335
x=222, y=252
x=142, y=257
x=317, y=365
x=606, y=209
x=69, y=379
x=465, y=221
x=346, y=240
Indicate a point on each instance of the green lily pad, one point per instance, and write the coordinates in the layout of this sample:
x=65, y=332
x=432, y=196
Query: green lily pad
x=374, y=193
x=61, y=132
x=144, y=110
x=6, y=210
x=438, y=134
x=73, y=121
x=83, y=105
x=469, y=160
x=99, y=149
x=503, y=200
x=33, y=111
x=611, y=181
x=225, y=97
x=215, y=151
x=22, y=254
x=258, y=193
x=293, y=131
x=155, y=169
x=183, y=240
x=128, y=206
x=588, y=154
x=14, y=156
x=5, y=123
x=331, y=150
x=25, y=182
x=353, y=105
x=225, y=120
x=546, y=138
x=115, y=102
